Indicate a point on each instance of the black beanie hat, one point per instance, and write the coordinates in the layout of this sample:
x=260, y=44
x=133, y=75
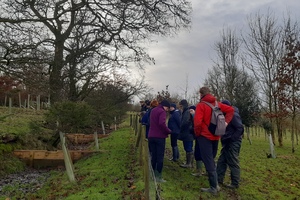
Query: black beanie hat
x=192, y=107
x=173, y=105
x=165, y=103
x=147, y=102
x=184, y=103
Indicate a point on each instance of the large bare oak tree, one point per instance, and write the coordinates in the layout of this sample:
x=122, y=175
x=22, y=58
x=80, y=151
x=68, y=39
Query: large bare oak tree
x=76, y=37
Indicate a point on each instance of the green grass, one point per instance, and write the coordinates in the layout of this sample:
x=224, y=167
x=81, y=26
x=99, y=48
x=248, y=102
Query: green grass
x=18, y=121
x=110, y=174
x=261, y=177
x=20, y=129
x=114, y=173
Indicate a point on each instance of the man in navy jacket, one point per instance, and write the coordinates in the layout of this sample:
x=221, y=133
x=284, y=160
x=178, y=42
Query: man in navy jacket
x=174, y=125
x=231, y=145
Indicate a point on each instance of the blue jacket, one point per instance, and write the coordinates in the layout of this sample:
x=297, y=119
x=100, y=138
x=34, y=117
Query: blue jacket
x=234, y=129
x=174, y=121
x=185, y=126
x=158, y=127
x=146, y=121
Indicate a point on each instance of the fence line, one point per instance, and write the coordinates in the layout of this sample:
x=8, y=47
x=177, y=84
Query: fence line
x=151, y=187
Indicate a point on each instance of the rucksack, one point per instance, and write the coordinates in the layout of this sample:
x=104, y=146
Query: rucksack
x=217, y=125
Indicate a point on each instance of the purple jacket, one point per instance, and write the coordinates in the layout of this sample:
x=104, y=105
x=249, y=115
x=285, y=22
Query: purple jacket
x=158, y=127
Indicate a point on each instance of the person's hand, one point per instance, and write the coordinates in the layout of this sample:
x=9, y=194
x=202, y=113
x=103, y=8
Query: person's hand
x=226, y=124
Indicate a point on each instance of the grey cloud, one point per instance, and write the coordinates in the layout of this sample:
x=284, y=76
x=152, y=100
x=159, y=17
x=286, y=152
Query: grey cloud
x=191, y=52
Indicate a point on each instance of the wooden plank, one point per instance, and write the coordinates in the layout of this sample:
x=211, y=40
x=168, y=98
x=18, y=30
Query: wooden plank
x=50, y=155
x=83, y=138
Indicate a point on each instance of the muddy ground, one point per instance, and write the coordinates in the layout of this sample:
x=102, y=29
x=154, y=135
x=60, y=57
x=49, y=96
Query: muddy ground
x=28, y=181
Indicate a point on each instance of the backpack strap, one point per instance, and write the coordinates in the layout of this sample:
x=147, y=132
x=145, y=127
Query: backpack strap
x=210, y=105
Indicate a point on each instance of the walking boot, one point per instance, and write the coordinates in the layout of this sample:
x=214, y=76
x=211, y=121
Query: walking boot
x=235, y=178
x=189, y=159
x=230, y=186
x=211, y=190
x=213, y=182
x=176, y=153
x=198, y=171
x=155, y=174
x=159, y=178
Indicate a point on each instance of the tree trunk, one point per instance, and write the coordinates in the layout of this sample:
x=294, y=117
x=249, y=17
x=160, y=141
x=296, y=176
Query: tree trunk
x=248, y=134
x=73, y=93
x=297, y=136
x=280, y=138
x=55, y=81
x=293, y=132
x=272, y=132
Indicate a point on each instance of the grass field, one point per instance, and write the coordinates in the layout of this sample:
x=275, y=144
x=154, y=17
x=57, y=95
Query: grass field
x=261, y=177
x=115, y=174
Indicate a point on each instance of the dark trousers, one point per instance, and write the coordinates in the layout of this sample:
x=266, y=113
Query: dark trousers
x=157, y=148
x=188, y=146
x=230, y=157
x=174, y=137
x=147, y=130
x=208, y=151
x=197, y=154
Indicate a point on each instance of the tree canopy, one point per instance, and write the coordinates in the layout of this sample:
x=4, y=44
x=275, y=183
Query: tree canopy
x=80, y=42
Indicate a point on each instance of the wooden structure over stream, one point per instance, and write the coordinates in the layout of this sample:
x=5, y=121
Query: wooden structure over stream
x=46, y=159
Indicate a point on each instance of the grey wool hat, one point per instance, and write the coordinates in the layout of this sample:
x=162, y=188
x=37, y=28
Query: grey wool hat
x=226, y=102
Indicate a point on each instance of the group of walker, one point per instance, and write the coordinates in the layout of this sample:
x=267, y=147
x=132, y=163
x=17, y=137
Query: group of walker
x=189, y=124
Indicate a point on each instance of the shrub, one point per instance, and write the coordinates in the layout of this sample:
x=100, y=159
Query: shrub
x=70, y=116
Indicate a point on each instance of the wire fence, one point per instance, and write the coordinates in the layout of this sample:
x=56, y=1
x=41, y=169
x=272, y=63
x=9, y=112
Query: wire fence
x=152, y=188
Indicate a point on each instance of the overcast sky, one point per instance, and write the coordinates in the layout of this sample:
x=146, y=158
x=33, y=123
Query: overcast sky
x=190, y=53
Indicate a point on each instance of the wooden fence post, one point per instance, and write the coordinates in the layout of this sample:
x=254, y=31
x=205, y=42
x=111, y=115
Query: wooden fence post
x=67, y=158
x=145, y=155
x=96, y=140
x=103, y=128
x=20, y=101
x=28, y=101
x=137, y=144
x=136, y=124
x=10, y=105
x=130, y=120
x=38, y=102
x=5, y=100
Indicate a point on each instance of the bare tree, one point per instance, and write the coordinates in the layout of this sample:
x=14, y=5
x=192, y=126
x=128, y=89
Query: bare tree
x=227, y=50
x=60, y=32
x=185, y=87
x=229, y=81
x=215, y=82
x=263, y=50
x=224, y=75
